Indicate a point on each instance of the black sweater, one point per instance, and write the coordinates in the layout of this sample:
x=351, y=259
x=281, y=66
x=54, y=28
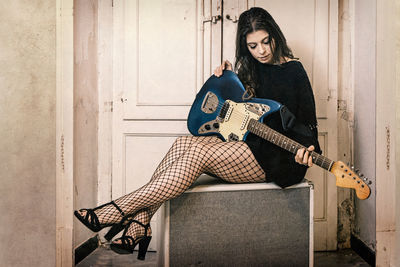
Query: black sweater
x=289, y=85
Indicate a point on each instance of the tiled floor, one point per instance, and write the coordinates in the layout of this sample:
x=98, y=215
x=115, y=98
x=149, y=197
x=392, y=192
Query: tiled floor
x=104, y=257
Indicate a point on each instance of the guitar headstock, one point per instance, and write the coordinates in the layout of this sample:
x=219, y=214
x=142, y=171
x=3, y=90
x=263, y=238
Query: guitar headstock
x=346, y=177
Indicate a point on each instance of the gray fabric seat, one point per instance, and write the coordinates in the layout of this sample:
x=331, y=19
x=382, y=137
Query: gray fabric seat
x=220, y=224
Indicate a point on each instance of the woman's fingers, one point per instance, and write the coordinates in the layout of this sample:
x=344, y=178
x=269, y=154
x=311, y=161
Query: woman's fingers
x=228, y=65
x=220, y=69
x=299, y=156
x=303, y=156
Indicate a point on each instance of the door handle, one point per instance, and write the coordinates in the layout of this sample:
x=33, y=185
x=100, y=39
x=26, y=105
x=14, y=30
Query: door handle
x=234, y=20
x=212, y=19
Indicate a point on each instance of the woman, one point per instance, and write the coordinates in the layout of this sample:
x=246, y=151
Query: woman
x=267, y=68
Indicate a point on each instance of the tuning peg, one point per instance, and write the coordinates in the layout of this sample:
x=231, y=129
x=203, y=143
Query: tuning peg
x=356, y=170
x=370, y=182
x=352, y=167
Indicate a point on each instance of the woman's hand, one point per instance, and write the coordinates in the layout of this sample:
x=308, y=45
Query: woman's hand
x=303, y=156
x=226, y=65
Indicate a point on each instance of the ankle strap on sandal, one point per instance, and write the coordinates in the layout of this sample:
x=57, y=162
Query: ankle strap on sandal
x=143, y=225
x=118, y=208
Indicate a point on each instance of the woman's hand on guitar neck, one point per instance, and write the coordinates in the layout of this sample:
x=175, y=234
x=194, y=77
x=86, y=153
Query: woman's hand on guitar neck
x=226, y=65
x=303, y=156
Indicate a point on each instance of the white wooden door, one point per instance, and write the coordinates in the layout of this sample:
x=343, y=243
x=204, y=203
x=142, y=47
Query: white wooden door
x=163, y=53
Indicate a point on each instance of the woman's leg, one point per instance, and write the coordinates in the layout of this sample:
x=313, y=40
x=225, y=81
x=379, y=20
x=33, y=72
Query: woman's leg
x=109, y=213
x=231, y=161
x=180, y=145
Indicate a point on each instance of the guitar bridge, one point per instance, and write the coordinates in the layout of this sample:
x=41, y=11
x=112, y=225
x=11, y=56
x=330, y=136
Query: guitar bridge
x=258, y=108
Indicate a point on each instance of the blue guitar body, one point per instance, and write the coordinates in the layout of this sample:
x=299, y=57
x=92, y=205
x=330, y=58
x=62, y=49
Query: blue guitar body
x=219, y=109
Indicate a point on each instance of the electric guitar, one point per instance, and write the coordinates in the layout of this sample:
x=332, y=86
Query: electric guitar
x=219, y=110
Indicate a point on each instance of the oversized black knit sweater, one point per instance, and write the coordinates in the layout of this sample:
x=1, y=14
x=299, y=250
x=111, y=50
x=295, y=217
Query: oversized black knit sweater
x=289, y=85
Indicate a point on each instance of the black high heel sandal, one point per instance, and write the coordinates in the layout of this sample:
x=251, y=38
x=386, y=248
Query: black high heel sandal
x=128, y=243
x=118, y=227
x=91, y=221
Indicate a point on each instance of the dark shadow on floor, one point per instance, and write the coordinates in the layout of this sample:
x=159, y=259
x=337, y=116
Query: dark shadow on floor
x=105, y=257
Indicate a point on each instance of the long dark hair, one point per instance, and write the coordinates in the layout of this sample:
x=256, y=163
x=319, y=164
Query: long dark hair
x=253, y=20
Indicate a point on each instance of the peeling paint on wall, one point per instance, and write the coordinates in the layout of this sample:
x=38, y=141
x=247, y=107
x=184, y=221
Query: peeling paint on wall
x=345, y=222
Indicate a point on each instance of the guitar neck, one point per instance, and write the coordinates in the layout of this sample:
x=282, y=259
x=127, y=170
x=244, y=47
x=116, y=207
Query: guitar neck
x=286, y=143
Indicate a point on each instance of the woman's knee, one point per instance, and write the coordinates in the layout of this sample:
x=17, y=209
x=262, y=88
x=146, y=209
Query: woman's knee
x=200, y=148
x=182, y=140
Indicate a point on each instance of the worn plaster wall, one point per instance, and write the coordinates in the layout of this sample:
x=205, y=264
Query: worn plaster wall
x=397, y=245
x=365, y=114
x=27, y=133
x=85, y=111
x=345, y=120
x=397, y=138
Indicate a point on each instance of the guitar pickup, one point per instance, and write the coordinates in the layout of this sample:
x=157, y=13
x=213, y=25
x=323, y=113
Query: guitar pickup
x=228, y=113
x=244, y=122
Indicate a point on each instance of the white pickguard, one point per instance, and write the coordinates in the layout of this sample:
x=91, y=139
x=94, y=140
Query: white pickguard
x=234, y=125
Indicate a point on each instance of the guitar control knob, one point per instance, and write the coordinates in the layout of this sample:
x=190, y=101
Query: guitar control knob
x=208, y=127
x=216, y=125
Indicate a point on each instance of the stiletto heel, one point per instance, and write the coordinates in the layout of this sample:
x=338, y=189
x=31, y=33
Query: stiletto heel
x=129, y=243
x=118, y=227
x=91, y=221
x=143, y=246
x=115, y=229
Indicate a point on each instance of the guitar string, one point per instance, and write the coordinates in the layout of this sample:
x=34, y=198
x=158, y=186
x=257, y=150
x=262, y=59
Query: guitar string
x=282, y=140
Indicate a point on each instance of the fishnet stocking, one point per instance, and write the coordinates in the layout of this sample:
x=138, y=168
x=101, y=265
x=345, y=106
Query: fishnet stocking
x=109, y=214
x=180, y=145
x=231, y=161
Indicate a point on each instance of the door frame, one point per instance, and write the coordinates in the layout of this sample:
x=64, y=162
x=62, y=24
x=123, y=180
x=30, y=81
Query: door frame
x=387, y=38
x=64, y=130
x=64, y=133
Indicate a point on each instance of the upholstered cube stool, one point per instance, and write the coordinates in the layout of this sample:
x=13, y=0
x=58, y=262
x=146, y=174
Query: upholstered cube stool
x=220, y=224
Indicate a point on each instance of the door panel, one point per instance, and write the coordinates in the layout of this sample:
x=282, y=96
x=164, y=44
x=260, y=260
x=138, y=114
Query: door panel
x=165, y=43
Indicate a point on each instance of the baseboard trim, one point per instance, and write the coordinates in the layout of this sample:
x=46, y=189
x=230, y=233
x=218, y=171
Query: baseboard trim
x=86, y=248
x=363, y=250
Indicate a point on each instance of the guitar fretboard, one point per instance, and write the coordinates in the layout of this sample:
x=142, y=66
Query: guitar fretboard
x=286, y=143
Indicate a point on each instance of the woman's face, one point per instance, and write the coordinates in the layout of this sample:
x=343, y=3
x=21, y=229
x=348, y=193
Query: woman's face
x=259, y=45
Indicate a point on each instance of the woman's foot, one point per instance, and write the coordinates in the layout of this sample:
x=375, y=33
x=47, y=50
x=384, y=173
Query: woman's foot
x=101, y=216
x=135, y=233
